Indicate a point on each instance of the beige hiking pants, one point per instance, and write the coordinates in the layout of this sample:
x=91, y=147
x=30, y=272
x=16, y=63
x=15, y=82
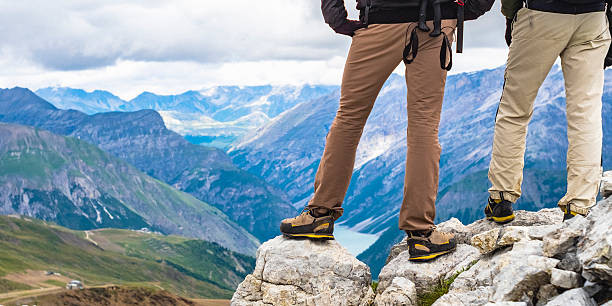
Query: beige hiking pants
x=538, y=39
x=375, y=52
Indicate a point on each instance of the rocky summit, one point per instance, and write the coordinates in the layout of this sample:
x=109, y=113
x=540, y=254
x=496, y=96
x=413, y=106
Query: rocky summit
x=304, y=272
x=537, y=259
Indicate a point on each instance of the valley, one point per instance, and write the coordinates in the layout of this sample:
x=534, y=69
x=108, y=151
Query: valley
x=187, y=267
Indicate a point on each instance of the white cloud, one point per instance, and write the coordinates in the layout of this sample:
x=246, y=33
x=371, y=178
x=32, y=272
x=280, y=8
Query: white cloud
x=169, y=46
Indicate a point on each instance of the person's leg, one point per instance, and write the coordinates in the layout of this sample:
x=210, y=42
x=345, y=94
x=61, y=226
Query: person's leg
x=375, y=52
x=582, y=64
x=425, y=80
x=537, y=40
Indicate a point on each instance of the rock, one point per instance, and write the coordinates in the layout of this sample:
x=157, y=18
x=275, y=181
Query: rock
x=565, y=279
x=522, y=277
x=528, y=261
x=397, y=249
x=606, y=184
x=546, y=293
x=304, y=272
x=508, y=275
x=487, y=242
x=540, y=223
x=400, y=292
x=454, y=226
x=426, y=274
x=507, y=304
x=540, y=231
x=547, y=216
x=592, y=288
x=574, y=297
x=479, y=296
x=496, y=238
x=561, y=240
x=485, y=270
x=570, y=262
x=595, y=248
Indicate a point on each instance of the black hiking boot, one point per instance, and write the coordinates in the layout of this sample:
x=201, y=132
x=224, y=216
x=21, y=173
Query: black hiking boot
x=428, y=245
x=499, y=211
x=316, y=224
x=568, y=213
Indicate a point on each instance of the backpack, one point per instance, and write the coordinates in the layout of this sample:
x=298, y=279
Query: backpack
x=469, y=10
x=476, y=8
x=466, y=10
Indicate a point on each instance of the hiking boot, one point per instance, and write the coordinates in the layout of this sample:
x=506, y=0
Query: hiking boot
x=568, y=213
x=499, y=211
x=317, y=224
x=428, y=245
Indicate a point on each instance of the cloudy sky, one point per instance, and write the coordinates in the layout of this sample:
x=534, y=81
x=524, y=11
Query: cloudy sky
x=128, y=47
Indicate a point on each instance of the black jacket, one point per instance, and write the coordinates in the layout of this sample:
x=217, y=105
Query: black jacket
x=510, y=7
x=382, y=11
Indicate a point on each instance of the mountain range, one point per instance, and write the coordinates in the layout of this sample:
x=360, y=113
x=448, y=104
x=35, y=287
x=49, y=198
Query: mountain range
x=141, y=139
x=285, y=150
x=213, y=116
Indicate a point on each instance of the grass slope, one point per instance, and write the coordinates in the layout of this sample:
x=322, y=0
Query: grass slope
x=75, y=184
x=188, y=267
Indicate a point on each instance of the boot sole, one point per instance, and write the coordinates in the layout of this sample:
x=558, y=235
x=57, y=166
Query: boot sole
x=311, y=236
x=502, y=220
x=430, y=256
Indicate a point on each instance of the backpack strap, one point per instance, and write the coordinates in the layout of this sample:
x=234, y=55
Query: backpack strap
x=412, y=47
x=446, y=47
x=460, y=24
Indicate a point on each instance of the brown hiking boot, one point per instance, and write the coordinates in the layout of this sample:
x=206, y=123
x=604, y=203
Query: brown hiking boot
x=428, y=245
x=317, y=224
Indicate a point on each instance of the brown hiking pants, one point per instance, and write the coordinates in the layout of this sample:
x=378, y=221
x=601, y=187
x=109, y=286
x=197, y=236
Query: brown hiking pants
x=539, y=38
x=375, y=52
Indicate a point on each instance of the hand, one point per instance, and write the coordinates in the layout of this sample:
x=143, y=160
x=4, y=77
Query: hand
x=508, y=31
x=349, y=27
x=608, y=60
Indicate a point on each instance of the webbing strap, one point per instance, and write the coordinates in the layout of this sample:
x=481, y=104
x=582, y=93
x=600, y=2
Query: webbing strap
x=446, y=47
x=411, y=48
x=460, y=23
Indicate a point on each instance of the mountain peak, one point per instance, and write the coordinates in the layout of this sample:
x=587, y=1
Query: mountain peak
x=21, y=98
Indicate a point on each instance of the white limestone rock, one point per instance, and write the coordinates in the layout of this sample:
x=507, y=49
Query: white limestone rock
x=509, y=275
x=565, y=279
x=401, y=292
x=479, y=296
x=304, y=272
x=522, y=278
x=561, y=240
x=574, y=297
x=547, y=216
x=496, y=238
x=595, y=247
x=540, y=223
x=426, y=274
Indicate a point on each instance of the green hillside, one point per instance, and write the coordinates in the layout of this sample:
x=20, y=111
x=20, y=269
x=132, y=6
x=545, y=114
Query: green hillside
x=75, y=184
x=187, y=267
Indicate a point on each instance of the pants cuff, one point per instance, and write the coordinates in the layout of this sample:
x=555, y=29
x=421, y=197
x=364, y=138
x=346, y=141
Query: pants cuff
x=497, y=195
